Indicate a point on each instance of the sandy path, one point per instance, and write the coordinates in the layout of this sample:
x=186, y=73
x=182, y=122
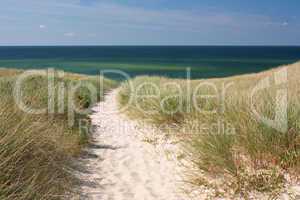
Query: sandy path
x=121, y=165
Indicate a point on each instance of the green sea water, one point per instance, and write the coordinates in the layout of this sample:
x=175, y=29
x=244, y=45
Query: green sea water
x=172, y=61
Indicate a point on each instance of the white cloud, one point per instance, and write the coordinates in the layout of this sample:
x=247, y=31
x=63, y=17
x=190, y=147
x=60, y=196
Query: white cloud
x=132, y=17
x=108, y=22
x=43, y=26
x=70, y=34
x=278, y=24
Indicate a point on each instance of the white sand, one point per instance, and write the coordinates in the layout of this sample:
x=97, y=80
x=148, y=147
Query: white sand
x=121, y=165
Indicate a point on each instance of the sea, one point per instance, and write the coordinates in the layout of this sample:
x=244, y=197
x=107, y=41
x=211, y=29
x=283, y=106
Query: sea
x=170, y=61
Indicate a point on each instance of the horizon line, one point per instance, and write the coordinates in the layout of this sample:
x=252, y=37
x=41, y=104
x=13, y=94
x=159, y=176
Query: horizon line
x=156, y=45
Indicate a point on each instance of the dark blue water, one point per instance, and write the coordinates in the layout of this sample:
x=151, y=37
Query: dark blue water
x=204, y=61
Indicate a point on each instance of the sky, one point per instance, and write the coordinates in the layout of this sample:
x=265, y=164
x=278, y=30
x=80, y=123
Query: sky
x=149, y=22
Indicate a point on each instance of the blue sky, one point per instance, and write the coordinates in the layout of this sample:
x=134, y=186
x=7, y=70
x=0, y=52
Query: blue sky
x=149, y=22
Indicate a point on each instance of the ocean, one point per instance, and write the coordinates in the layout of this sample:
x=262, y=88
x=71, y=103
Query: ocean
x=171, y=61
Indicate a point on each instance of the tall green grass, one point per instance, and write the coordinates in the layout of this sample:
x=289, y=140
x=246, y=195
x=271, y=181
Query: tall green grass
x=246, y=146
x=37, y=151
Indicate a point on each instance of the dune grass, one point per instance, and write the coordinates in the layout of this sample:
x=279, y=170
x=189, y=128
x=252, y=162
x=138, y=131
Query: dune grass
x=222, y=136
x=36, y=150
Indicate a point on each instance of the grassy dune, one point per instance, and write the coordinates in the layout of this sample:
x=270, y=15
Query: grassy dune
x=36, y=151
x=246, y=152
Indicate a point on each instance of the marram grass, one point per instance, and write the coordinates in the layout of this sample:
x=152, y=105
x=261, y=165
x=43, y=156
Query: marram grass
x=248, y=146
x=36, y=151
